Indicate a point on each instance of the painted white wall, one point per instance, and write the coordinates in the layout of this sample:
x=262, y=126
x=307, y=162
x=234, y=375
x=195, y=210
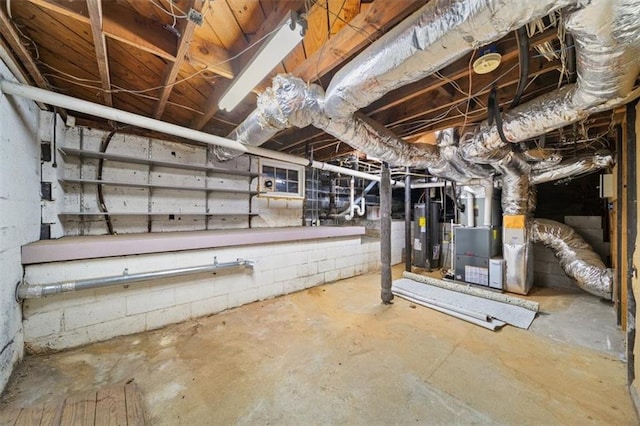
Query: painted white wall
x=73, y=319
x=83, y=198
x=19, y=213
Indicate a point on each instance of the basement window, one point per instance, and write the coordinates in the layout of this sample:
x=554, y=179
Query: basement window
x=279, y=179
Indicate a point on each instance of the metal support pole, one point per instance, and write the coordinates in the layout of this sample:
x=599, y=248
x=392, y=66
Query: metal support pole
x=385, y=234
x=407, y=222
x=428, y=243
x=632, y=233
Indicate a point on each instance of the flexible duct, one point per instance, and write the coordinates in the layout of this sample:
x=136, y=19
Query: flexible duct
x=577, y=258
x=435, y=36
x=607, y=35
x=574, y=167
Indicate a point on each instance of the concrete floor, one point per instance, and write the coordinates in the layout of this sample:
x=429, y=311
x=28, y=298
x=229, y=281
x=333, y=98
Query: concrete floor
x=334, y=354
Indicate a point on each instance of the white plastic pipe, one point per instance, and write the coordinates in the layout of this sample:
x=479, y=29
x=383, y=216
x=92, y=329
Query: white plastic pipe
x=488, y=203
x=470, y=211
x=353, y=208
x=97, y=110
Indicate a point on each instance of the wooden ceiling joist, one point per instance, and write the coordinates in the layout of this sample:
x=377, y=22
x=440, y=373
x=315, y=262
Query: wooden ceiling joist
x=100, y=46
x=8, y=32
x=172, y=69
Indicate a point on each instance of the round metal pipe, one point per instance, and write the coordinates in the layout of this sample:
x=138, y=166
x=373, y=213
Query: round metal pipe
x=28, y=291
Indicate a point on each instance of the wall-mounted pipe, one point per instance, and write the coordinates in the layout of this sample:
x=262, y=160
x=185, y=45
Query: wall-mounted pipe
x=31, y=291
x=97, y=110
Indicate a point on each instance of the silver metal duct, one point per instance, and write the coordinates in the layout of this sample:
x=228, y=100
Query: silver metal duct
x=574, y=167
x=292, y=102
x=515, y=184
x=433, y=37
x=577, y=258
x=607, y=40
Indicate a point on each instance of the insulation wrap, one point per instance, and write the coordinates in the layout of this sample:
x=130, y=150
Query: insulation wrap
x=577, y=258
x=606, y=35
x=574, y=167
x=433, y=37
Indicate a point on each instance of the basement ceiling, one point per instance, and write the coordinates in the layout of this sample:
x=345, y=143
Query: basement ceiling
x=148, y=58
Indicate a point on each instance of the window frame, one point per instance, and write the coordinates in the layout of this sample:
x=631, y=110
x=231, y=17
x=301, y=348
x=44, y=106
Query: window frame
x=271, y=192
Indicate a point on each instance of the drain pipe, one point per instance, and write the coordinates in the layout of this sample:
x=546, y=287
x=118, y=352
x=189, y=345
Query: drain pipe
x=97, y=110
x=353, y=208
x=30, y=291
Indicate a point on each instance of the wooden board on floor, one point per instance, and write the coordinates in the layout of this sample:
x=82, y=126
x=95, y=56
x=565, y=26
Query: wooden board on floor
x=119, y=404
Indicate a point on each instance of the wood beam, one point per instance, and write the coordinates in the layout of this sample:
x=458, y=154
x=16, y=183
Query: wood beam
x=368, y=25
x=120, y=24
x=100, y=46
x=172, y=69
x=203, y=53
x=24, y=56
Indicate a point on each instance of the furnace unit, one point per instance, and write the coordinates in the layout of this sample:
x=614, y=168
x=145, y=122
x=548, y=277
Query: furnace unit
x=475, y=248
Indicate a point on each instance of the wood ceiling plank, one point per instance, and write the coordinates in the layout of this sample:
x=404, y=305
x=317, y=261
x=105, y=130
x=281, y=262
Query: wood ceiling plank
x=74, y=44
x=225, y=25
x=363, y=29
x=317, y=27
x=138, y=31
x=341, y=12
x=12, y=37
x=172, y=69
x=118, y=23
x=100, y=47
x=215, y=58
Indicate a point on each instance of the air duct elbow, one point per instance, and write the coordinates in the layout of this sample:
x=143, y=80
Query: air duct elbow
x=576, y=257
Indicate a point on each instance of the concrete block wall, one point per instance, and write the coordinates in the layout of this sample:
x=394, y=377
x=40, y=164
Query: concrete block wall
x=19, y=213
x=73, y=319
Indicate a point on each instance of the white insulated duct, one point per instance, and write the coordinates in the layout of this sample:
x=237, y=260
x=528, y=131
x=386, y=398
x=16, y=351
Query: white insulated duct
x=607, y=39
x=576, y=257
x=574, y=167
x=435, y=36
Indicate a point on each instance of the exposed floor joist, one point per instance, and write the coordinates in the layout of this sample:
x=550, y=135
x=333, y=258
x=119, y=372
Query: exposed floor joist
x=172, y=69
x=100, y=45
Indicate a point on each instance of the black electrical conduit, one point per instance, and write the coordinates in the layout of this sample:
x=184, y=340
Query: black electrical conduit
x=523, y=57
x=101, y=204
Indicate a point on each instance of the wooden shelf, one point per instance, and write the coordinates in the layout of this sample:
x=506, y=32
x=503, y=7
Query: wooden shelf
x=158, y=186
x=152, y=214
x=82, y=153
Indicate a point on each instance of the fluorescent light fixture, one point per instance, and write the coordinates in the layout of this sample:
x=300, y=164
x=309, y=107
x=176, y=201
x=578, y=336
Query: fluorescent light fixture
x=272, y=50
